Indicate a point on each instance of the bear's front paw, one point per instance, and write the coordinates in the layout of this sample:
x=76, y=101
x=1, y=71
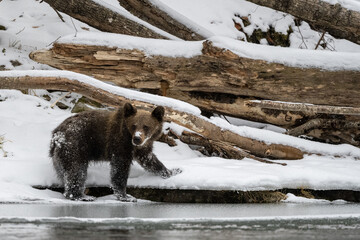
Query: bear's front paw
x=169, y=173
x=125, y=198
x=175, y=171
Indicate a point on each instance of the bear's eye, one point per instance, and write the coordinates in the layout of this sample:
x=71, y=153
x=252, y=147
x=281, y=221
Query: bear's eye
x=133, y=127
x=146, y=128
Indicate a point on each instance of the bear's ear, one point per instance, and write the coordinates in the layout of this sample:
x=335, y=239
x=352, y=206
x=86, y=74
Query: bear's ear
x=158, y=113
x=129, y=110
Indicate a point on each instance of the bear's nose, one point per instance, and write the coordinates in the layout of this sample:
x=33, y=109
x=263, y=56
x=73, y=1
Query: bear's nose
x=137, y=140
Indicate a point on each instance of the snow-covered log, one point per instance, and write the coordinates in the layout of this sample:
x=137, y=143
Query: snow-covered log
x=155, y=15
x=188, y=117
x=106, y=18
x=211, y=70
x=218, y=80
x=322, y=15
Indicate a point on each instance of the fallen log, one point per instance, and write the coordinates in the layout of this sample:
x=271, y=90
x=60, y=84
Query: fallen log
x=147, y=11
x=104, y=17
x=59, y=80
x=216, y=70
x=340, y=22
x=222, y=82
x=218, y=148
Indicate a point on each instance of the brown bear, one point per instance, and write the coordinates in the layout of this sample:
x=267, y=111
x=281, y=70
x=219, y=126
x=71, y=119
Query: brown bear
x=118, y=137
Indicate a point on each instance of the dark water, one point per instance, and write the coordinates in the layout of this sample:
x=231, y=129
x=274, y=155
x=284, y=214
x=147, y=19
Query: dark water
x=179, y=221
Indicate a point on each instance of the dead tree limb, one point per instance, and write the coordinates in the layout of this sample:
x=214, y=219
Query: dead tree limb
x=195, y=123
x=147, y=11
x=334, y=19
x=298, y=107
x=219, y=148
x=102, y=18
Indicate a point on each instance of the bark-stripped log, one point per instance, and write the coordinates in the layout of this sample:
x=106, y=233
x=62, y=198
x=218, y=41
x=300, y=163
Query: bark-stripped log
x=195, y=123
x=340, y=22
x=215, y=71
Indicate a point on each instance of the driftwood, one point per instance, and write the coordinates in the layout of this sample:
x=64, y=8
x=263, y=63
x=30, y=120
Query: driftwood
x=146, y=11
x=195, y=123
x=335, y=19
x=102, y=18
x=222, y=82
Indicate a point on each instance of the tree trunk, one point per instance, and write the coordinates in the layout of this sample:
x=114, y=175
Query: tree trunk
x=334, y=19
x=145, y=10
x=215, y=71
x=220, y=81
x=195, y=123
x=103, y=18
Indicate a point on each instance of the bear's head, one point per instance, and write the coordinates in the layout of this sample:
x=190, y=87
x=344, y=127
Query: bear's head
x=143, y=126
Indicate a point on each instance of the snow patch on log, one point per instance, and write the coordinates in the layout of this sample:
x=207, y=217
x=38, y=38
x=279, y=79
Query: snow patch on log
x=122, y=11
x=270, y=137
x=304, y=58
x=349, y=4
x=183, y=19
x=127, y=93
x=148, y=46
x=332, y=61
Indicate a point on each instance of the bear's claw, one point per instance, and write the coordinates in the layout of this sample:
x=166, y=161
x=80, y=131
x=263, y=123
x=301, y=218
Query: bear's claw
x=125, y=198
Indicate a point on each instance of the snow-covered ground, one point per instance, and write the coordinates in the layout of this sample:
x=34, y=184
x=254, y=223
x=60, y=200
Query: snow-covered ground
x=26, y=121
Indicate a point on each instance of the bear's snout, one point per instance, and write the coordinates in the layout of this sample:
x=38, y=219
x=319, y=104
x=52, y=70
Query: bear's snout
x=139, y=139
x=136, y=140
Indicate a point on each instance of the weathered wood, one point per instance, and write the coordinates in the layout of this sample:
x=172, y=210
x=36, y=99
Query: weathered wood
x=310, y=109
x=102, y=18
x=215, y=71
x=222, y=149
x=150, y=13
x=197, y=124
x=222, y=82
x=335, y=19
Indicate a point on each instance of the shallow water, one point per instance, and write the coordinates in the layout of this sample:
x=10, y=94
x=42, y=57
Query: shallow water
x=148, y=220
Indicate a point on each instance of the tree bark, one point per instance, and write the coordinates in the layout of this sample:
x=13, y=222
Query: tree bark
x=102, y=18
x=220, y=81
x=215, y=71
x=334, y=19
x=145, y=10
x=195, y=123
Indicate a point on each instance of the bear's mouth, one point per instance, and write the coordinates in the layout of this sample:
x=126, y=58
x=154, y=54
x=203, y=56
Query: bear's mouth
x=138, y=141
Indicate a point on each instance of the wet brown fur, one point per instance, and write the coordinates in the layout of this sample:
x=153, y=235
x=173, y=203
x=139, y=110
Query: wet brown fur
x=106, y=136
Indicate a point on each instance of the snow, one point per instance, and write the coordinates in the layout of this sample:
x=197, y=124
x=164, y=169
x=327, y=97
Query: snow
x=219, y=18
x=291, y=198
x=303, y=58
x=26, y=121
x=149, y=46
x=181, y=18
x=24, y=118
x=349, y=4
x=128, y=93
x=115, y=7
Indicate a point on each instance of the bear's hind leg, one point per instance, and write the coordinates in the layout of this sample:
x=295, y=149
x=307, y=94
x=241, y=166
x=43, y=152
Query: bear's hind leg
x=74, y=183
